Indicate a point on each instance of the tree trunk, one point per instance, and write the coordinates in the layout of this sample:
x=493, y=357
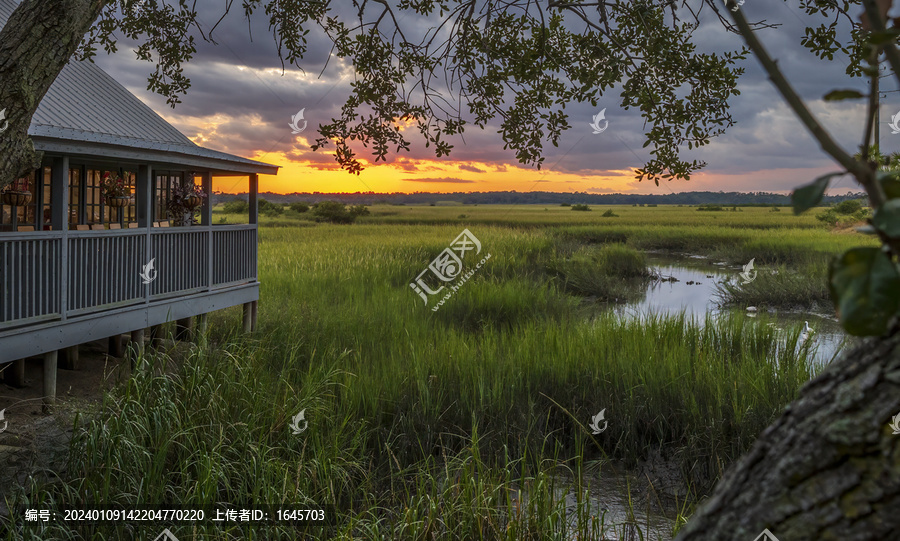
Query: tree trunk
x=35, y=44
x=827, y=469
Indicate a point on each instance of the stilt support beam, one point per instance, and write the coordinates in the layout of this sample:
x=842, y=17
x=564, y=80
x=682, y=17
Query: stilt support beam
x=50, y=359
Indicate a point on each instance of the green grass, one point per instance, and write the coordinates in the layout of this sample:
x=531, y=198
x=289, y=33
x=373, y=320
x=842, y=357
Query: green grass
x=428, y=424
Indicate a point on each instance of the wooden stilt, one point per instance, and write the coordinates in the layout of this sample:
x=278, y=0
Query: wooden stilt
x=15, y=375
x=202, y=326
x=137, y=345
x=253, y=311
x=248, y=317
x=115, y=346
x=184, y=329
x=50, y=359
x=155, y=335
x=69, y=358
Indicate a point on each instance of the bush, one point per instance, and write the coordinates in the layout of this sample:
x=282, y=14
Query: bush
x=332, y=211
x=359, y=210
x=775, y=209
x=835, y=218
x=850, y=206
x=268, y=208
x=299, y=206
x=565, y=205
x=580, y=207
x=710, y=207
x=236, y=206
x=610, y=214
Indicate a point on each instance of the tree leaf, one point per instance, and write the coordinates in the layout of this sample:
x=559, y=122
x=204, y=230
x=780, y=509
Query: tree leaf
x=806, y=197
x=865, y=287
x=847, y=94
x=890, y=183
x=887, y=218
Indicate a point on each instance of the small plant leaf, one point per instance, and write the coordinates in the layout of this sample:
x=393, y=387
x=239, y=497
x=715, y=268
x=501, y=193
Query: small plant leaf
x=865, y=287
x=806, y=197
x=837, y=95
x=890, y=183
x=887, y=218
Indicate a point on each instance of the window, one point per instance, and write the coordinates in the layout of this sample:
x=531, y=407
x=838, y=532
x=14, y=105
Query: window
x=165, y=181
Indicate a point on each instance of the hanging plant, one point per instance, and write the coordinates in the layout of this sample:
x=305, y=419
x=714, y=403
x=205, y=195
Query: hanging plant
x=18, y=193
x=185, y=200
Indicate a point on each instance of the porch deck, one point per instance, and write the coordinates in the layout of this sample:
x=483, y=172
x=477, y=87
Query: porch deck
x=64, y=288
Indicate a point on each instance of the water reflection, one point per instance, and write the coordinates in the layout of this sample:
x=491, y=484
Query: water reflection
x=688, y=285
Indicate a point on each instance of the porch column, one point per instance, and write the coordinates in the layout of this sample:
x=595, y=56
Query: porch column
x=254, y=192
x=144, y=195
x=59, y=193
x=49, y=380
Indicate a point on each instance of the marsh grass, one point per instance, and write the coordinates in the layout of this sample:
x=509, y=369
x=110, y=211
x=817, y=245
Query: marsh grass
x=609, y=272
x=424, y=424
x=803, y=287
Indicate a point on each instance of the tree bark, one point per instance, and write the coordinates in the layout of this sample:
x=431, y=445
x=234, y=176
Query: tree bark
x=35, y=44
x=827, y=469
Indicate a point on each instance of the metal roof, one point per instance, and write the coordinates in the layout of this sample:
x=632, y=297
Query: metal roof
x=85, y=109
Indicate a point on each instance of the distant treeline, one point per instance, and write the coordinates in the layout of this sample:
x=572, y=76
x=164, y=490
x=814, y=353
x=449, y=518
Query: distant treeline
x=743, y=199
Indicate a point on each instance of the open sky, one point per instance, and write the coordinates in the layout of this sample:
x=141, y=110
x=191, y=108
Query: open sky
x=242, y=102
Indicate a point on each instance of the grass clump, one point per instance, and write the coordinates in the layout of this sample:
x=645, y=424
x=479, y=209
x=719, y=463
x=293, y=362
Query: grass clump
x=611, y=272
x=793, y=288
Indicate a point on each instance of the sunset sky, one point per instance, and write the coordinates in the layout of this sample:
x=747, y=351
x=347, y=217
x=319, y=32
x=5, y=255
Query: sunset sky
x=242, y=103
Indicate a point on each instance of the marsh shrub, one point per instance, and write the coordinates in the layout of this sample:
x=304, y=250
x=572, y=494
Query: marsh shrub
x=610, y=272
x=359, y=210
x=267, y=208
x=850, y=206
x=580, y=207
x=565, y=205
x=332, y=211
x=844, y=216
x=609, y=214
x=236, y=206
x=710, y=207
x=299, y=206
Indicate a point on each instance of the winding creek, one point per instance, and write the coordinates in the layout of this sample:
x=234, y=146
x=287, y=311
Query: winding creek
x=693, y=292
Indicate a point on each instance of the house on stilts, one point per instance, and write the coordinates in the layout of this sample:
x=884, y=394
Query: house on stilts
x=75, y=264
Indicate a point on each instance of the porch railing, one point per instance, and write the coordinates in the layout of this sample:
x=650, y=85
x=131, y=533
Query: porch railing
x=107, y=269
